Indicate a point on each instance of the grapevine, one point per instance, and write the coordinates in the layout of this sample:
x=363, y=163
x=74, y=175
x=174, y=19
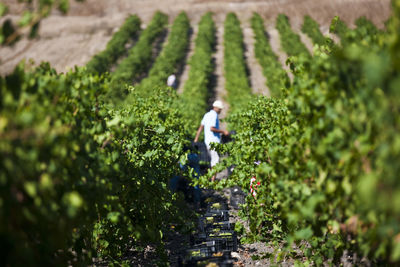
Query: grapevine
x=290, y=41
x=327, y=154
x=102, y=62
x=137, y=63
x=171, y=57
x=196, y=89
x=311, y=28
x=79, y=175
x=340, y=28
x=277, y=77
x=236, y=76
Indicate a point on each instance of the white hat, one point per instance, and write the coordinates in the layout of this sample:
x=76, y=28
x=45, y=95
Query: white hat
x=218, y=104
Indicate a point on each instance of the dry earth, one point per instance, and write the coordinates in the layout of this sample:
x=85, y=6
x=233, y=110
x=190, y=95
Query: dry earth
x=185, y=74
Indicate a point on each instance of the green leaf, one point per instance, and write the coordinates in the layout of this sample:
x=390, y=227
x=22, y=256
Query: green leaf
x=160, y=129
x=304, y=234
x=115, y=121
x=30, y=188
x=74, y=199
x=113, y=216
x=395, y=255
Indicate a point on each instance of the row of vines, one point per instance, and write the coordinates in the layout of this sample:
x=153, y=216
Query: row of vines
x=277, y=78
x=196, y=91
x=237, y=83
x=171, y=57
x=140, y=56
x=326, y=154
x=103, y=61
x=83, y=178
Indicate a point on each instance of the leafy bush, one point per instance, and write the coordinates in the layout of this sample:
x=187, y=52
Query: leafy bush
x=80, y=179
x=103, y=61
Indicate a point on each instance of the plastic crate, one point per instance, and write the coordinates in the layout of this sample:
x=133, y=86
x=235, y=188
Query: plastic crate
x=216, y=216
x=208, y=227
x=210, y=219
x=200, y=252
x=197, y=239
x=219, y=244
x=221, y=259
x=218, y=206
x=216, y=241
x=221, y=226
x=224, y=244
x=224, y=240
x=214, y=261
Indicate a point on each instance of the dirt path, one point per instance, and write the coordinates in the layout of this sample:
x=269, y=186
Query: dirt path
x=306, y=41
x=185, y=74
x=257, y=79
x=220, y=92
x=276, y=47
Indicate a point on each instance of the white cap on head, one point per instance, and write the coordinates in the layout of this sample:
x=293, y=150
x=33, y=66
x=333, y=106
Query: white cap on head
x=218, y=104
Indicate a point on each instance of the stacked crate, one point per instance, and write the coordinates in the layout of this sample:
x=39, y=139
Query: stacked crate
x=214, y=240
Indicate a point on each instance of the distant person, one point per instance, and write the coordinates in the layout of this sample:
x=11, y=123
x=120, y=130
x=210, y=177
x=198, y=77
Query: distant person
x=171, y=81
x=212, y=133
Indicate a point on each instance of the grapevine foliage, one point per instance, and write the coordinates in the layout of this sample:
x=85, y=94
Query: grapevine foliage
x=340, y=28
x=196, y=90
x=236, y=75
x=171, y=57
x=311, y=28
x=103, y=61
x=290, y=41
x=79, y=176
x=327, y=153
x=34, y=12
x=137, y=63
x=277, y=78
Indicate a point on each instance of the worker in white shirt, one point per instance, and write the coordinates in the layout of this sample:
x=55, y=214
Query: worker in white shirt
x=171, y=81
x=212, y=133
